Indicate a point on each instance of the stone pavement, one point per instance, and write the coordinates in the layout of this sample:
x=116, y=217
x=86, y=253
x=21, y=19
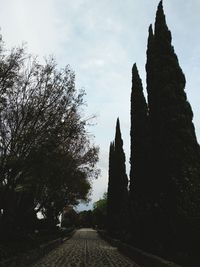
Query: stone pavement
x=85, y=249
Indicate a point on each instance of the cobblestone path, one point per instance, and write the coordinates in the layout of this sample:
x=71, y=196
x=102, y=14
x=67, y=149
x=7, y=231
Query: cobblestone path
x=85, y=249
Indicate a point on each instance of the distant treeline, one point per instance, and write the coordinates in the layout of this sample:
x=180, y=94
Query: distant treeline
x=160, y=209
x=95, y=218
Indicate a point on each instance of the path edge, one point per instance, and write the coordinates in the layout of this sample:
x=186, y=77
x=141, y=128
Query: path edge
x=32, y=256
x=139, y=256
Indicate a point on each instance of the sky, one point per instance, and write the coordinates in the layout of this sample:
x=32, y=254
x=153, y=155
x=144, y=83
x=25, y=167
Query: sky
x=101, y=40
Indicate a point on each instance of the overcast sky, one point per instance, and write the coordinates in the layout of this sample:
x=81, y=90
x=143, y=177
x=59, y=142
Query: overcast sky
x=101, y=39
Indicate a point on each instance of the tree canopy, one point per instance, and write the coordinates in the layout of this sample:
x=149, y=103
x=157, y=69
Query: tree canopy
x=46, y=156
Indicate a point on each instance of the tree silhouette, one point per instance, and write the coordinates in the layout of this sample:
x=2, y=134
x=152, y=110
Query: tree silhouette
x=117, y=187
x=139, y=176
x=46, y=158
x=111, y=195
x=175, y=169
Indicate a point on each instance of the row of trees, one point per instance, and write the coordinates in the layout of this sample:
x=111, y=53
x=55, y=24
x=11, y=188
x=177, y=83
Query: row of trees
x=46, y=157
x=164, y=191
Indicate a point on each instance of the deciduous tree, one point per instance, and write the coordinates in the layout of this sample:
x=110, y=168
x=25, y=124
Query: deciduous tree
x=45, y=150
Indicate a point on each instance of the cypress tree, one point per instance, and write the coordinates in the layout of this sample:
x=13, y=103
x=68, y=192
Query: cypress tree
x=175, y=168
x=139, y=136
x=122, y=182
x=117, y=187
x=111, y=210
x=139, y=158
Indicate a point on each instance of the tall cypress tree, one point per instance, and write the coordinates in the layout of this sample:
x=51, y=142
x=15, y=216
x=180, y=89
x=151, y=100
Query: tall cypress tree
x=122, y=181
x=139, y=176
x=175, y=168
x=139, y=137
x=117, y=187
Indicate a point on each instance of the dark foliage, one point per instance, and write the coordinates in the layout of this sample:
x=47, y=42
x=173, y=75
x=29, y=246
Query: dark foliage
x=46, y=158
x=175, y=165
x=139, y=135
x=99, y=212
x=111, y=188
x=86, y=219
x=117, y=187
x=139, y=176
x=164, y=197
